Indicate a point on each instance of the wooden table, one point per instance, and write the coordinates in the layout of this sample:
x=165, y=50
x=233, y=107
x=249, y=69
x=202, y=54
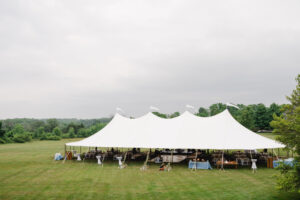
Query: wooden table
x=232, y=163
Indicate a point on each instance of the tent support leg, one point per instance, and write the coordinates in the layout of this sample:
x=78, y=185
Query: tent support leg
x=65, y=151
x=123, y=163
x=222, y=166
x=195, y=163
x=169, y=164
x=145, y=167
x=276, y=155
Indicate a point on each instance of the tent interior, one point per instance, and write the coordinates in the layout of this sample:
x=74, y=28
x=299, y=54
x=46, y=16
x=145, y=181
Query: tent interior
x=184, y=138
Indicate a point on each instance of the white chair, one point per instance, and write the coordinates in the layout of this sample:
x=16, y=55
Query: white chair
x=121, y=166
x=99, y=160
x=78, y=157
x=254, y=167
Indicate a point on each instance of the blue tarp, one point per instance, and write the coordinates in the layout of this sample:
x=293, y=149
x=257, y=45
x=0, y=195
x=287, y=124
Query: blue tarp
x=200, y=165
x=58, y=156
x=289, y=162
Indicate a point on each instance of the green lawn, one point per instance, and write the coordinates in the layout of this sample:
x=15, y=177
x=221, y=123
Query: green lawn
x=27, y=171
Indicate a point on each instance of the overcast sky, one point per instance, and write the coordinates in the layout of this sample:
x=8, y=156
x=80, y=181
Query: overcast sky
x=85, y=58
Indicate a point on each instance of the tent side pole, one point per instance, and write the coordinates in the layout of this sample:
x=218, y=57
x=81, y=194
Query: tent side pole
x=195, y=163
x=144, y=167
x=223, y=160
x=276, y=155
x=65, y=150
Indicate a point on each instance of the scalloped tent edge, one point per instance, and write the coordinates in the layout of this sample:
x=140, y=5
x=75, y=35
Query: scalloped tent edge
x=186, y=131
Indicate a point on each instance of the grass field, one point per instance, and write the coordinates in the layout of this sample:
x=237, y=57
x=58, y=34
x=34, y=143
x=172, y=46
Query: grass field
x=27, y=171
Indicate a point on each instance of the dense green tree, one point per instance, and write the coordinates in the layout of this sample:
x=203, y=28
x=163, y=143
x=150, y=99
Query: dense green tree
x=71, y=132
x=288, y=126
x=21, y=138
x=57, y=131
x=160, y=114
x=76, y=127
x=202, y=112
x=18, y=134
x=273, y=109
x=2, y=131
x=216, y=108
x=247, y=117
x=2, y=134
x=51, y=124
x=82, y=132
x=18, y=129
x=37, y=124
x=175, y=114
x=39, y=132
x=261, y=117
x=235, y=112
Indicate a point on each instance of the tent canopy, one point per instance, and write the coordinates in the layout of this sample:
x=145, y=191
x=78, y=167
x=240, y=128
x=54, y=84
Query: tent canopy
x=186, y=131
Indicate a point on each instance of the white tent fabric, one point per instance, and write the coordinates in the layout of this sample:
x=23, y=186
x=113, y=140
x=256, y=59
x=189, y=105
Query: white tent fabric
x=186, y=131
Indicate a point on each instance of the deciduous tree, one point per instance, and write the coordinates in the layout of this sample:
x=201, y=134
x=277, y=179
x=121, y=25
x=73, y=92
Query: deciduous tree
x=288, y=126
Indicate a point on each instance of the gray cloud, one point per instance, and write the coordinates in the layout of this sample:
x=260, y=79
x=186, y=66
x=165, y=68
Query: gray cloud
x=84, y=59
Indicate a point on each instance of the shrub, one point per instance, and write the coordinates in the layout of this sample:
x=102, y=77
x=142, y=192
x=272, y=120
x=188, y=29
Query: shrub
x=53, y=137
x=66, y=135
x=43, y=136
x=8, y=139
x=21, y=138
x=2, y=141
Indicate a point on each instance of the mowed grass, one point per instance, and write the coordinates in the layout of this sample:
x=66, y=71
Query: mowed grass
x=27, y=171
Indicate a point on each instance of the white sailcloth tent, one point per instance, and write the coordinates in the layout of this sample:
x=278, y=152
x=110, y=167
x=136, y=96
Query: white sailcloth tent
x=187, y=131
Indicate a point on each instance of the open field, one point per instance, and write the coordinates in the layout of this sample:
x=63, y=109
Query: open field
x=27, y=171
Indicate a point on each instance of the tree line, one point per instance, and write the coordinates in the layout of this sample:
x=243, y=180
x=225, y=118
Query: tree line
x=24, y=130
x=255, y=117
